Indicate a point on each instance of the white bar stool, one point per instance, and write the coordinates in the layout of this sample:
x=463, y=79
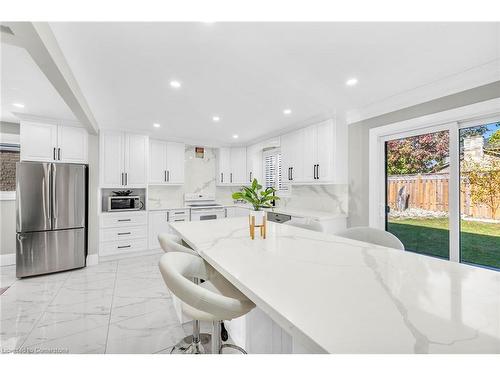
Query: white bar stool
x=172, y=243
x=373, y=235
x=214, y=300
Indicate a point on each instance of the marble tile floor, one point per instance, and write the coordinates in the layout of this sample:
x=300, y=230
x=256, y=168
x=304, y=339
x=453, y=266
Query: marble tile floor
x=119, y=306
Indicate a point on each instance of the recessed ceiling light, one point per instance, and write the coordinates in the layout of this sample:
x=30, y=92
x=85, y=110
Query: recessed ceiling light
x=175, y=84
x=215, y=118
x=235, y=136
x=156, y=125
x=18, y=105
x=351, y=82
x=287, y=111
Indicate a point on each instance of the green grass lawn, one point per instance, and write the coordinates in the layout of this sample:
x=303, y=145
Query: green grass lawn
x=479, y=242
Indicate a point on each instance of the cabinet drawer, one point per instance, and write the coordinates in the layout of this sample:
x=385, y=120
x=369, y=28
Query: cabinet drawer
x=117, y=247
x=123, y=219
x=123, y=233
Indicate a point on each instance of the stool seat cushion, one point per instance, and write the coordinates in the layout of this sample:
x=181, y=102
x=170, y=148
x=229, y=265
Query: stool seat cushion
x=215, y=299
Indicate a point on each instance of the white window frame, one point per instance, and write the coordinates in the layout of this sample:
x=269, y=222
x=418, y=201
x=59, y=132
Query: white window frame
x=452, y=121
x=13, y=140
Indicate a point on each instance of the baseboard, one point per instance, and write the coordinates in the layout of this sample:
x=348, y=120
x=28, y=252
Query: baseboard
x=92, y=259
x=7, y=259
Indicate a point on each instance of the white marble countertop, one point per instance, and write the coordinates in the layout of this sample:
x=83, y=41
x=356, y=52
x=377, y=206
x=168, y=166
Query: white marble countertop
x=337, y=295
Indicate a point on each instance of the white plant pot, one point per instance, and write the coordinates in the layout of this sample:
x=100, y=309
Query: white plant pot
x=259, y=217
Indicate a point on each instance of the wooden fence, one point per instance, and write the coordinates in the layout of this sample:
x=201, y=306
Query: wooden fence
x=430, y=192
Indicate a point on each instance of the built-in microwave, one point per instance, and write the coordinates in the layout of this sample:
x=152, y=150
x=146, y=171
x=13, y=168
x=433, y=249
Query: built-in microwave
x=124, y=203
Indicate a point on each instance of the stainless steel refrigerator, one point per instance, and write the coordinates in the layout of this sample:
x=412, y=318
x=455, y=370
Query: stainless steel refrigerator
x=51, y=220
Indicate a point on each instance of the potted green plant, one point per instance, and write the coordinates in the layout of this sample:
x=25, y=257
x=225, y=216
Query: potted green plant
x=259, y=198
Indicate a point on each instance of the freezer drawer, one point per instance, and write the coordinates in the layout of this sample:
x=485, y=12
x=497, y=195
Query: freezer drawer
x=44, y=252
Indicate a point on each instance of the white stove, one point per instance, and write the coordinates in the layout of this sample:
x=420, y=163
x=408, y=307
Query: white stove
x=204, y=207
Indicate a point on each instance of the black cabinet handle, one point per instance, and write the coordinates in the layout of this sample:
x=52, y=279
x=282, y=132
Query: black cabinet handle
x=165, y=176
x=231, y=177
x=126, y=178
x=250, y=176
x=124, y=219
x=58, y=153
x=317, y=171
x=54, y=154
x=123, y=233
x=168, y=175
x=124, y=247
x=291, y=173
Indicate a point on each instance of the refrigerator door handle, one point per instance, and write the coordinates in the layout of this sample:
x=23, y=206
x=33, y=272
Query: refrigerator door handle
x=53, y=205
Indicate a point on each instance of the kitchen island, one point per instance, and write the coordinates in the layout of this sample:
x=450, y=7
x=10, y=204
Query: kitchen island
x=335, y=295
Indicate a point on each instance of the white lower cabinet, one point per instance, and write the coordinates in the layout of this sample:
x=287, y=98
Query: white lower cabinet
x=123, y=232
x=159, y=223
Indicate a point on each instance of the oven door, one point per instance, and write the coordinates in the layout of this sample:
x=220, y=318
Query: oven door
x=206, y=213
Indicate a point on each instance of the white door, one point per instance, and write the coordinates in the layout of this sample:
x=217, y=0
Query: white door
x=72, y=143
x=111, y=155
x=224, y=165
x=238, y=165
x=38, y=141
x=136, y=160
x=157, y=162
x=175, y=162
x=158, y=223
x=310, y=152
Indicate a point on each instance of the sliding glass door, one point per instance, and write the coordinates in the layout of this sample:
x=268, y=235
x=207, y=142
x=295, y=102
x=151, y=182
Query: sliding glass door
x=480, y=195
x=442, y=192
x=417, y=183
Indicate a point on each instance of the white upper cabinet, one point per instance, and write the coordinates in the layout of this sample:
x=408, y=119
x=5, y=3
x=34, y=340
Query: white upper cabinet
x=231, y=166
x=308, y=154
x=157, y=162
x=72, y=144
x=166, y=163
x=53, y=143
x=136, y=159
x=325, y=152
x=292, y=154
x=254, y=162
x=223, y=166
x=123, y=159
x=111, y=157
x=175, y=162
x=238, y=165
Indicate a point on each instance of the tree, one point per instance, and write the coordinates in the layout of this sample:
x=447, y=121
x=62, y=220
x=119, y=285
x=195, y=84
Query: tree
x=420, y=154
x=483, y=179
x=495, y=138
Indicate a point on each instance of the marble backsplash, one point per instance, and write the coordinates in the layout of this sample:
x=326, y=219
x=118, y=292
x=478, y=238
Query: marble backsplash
x=200, y=178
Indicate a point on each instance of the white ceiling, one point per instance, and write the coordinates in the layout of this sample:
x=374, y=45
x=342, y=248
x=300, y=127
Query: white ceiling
x=23, y=82
x=247, y=73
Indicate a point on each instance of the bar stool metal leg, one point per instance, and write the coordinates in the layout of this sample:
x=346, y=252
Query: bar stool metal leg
x=197, y=343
